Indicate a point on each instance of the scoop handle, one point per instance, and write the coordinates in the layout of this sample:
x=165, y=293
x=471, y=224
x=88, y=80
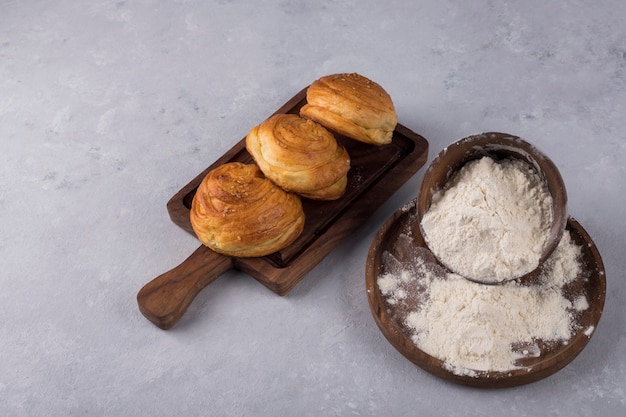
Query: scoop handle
x=165, y=299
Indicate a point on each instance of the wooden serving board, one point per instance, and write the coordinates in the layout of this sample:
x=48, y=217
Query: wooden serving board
x=375, y=174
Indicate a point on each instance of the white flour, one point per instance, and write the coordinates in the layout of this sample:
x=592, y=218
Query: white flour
x=491, y=221
x=474, y=327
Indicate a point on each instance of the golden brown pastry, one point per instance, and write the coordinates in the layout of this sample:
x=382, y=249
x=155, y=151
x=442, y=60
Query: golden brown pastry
x=353, y=106
x=237, y=211
x=300, y=156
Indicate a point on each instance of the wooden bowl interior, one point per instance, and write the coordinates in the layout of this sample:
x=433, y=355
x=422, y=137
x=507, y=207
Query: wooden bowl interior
x=397, y=236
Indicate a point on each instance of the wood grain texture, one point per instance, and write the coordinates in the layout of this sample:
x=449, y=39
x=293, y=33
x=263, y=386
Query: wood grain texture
x=165, y=299
x=552, y=358
x=375, y=175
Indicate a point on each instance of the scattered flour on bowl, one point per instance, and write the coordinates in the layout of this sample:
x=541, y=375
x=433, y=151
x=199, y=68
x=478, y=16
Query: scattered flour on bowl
x=474, y=327
x=491, y=220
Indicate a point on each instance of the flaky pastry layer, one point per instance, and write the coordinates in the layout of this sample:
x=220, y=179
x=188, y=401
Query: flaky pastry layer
x=300, y=156
x=238, y=212
x=352, y=105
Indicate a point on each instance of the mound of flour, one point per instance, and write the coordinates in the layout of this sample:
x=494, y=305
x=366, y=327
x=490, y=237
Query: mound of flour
x=474, y=327
x=491, y=221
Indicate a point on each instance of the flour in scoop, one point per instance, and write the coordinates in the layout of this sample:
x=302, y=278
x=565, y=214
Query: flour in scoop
x=491, y=221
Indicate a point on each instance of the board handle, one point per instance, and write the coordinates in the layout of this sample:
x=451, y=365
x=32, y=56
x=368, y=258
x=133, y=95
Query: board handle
x=165, y=299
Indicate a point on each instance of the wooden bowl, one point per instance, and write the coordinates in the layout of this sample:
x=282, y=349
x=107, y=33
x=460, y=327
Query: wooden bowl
x=497, y=146
x=398, y=237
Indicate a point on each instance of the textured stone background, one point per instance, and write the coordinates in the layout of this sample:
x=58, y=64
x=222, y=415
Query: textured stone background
x=107, y=108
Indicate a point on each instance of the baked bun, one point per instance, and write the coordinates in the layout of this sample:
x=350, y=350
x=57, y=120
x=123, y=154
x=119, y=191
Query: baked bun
x=353, y=106
x=300, y=156
x=238, y=212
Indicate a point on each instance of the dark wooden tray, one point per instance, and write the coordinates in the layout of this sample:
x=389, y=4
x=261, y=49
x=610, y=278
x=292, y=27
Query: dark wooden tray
x=552, y=358
x=375, y=174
